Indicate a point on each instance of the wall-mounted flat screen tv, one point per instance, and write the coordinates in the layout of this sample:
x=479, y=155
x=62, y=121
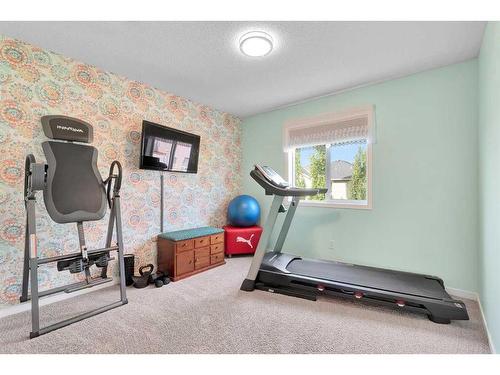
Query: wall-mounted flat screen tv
x=167, y=149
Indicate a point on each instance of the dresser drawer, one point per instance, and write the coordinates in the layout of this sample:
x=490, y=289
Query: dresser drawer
x=184, y=245
x=202, y=241
x=203, y=252
x=201, y=262
x=217, y=238
x=218, y=248
x=216, y=258
x=185, y=262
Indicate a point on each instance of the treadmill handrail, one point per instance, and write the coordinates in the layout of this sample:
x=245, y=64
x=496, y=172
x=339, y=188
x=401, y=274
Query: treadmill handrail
x=271, y=189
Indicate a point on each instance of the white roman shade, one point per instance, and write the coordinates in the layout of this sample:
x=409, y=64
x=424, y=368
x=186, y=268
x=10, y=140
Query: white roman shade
x=335, y=128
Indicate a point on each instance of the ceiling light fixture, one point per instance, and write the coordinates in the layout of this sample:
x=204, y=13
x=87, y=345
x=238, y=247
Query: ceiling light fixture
x=256, y=44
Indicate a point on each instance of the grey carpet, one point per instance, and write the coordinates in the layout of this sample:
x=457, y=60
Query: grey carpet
x=208, y=313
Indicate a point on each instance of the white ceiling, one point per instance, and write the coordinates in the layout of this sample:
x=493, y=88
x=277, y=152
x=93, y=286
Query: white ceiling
x=201, y=60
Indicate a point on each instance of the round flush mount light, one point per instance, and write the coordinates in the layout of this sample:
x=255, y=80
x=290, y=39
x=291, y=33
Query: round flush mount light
x=256, y=44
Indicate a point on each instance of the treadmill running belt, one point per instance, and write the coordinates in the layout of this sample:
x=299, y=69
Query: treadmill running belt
x=370, y=277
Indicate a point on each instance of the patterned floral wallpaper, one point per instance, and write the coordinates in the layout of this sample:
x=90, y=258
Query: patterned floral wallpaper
x=35, y=82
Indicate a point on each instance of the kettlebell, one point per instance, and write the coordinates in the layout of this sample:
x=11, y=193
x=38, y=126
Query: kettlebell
x=143, y=280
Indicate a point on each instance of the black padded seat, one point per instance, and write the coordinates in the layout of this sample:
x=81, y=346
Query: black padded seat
x=74, y=191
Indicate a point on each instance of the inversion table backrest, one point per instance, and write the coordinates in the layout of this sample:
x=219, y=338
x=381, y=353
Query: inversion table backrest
x=74, y=190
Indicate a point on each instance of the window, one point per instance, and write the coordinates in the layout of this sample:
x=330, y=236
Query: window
x=167, y=151
x=162, y=149
x=181, y=156
x=334, y=152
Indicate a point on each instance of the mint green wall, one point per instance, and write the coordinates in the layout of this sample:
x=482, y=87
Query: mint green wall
x=489, y=182
x=424, y=216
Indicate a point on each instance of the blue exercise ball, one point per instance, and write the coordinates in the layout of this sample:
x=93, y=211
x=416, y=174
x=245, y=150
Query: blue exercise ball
x=243, y=211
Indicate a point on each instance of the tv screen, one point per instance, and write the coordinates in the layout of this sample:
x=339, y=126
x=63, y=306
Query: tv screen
x=167, y=149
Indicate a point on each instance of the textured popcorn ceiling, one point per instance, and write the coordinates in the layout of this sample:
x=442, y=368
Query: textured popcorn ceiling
x=201, y=60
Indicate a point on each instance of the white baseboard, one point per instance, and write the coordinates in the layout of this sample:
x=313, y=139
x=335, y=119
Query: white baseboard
x=490, y=341
x=459, y=293
x=26, y=306
x=475, y=297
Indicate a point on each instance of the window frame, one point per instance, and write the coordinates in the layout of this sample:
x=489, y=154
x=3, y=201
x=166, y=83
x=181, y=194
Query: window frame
x=289, y=156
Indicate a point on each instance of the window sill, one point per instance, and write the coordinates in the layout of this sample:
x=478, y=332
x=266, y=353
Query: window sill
x=363, y=205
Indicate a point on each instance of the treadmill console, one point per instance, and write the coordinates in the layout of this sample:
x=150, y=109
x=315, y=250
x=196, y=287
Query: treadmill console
x=274, y=184
x=271, y=175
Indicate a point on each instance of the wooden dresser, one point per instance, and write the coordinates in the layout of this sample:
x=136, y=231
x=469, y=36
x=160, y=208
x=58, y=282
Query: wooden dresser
x=188, y=252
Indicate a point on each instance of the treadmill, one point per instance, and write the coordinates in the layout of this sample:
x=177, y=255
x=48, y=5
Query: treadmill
x=292, y=275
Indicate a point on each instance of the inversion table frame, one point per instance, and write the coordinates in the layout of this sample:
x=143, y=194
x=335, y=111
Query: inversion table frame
x=34, y=181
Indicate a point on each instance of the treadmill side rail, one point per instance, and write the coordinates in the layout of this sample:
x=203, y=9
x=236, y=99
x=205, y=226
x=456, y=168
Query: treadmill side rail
x=437, y=310
x=277, y=262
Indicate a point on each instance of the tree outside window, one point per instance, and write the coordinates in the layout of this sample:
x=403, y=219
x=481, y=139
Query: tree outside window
x=344, y=165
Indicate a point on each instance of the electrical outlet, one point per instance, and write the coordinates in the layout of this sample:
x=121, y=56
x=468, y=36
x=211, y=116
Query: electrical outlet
x=332, y=245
